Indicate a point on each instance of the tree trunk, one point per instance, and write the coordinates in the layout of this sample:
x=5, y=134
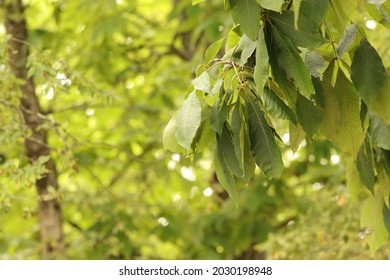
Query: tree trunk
x=50, y=218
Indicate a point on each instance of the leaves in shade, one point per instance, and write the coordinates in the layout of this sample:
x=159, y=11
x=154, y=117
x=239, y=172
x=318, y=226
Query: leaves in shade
x=260, y=74
x=277, y=107
x=225, y=143
x=297, y=7
x=213, y=50
x=347, y=39
x=314, y=10
x=367, y=72
x=169, y=139
x=264, y=149
x=372, y=219
x=306, y=35
x=314, y=62
x=308, y=115
x=290, y=61
x=241, y=142
x=202, y=82
x=225, y=177
x=379, y=132
x=274, y=5
x=365, y=166
x=247, y=13
x=218, y=116
x=188, y=121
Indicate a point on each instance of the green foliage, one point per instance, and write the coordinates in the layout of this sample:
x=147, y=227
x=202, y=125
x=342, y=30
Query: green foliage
x=300, y=62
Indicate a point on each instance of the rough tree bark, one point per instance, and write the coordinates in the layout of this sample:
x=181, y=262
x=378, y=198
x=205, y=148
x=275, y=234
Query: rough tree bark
x=50, y=218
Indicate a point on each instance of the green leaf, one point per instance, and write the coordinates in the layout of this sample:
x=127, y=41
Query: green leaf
x=365, y=166
x=264, y=149
x=202, y=82
x=241, y=142
x=261, y=72
x=297, y=7
x=225, y=143
x=306, y=35
x=277, y=107
x=226, y=4
x=297, y=135
x=379, y=132
x=247, y=13
x=313, y=63
x=274, y=5
x=354, y=184
x=372, y=219
x=247, y=47
x=367, y=72
x=351, y=134
x=224, y=176
x=381, y=104
x=213, y=50
x=194, y=2
x=218, y=116
x=308, y=115
x=386, y=217
x=169, y=139
x=314, y=10
x=342, y=124
x=347, y=39
x=290, y=61
x=188, y=121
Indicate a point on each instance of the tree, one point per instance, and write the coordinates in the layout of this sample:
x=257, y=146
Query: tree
x=309, y=63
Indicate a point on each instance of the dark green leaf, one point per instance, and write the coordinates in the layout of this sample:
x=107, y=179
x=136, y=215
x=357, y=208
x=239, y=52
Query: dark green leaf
x=306, y=35
x=365, y=166
x=314, y=10
x=290, y=61
x=386, y=217
x=274, y=5
x=188, y=121
x=379, y=132
x=225, y=177
x=367, y=72
x=264, y=149
x=308, y=115
x=218, y=116
x=277, y=107
x=247, y=13
x=225, y=143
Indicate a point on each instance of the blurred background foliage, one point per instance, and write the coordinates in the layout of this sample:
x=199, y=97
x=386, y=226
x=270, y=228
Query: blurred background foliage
x=109, y=75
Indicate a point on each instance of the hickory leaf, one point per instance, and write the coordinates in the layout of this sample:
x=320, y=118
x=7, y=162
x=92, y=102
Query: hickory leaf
x=188, y=121
x=247, y=13
x=260, y=74
x=367, y=72
x=264, y=149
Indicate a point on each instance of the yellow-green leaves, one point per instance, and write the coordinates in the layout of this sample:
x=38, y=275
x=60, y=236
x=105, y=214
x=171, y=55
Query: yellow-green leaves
x=274, y=5
x=247, y=14
x=263, y=146
x=367, y=72
x=342, y=124
x=188, y=121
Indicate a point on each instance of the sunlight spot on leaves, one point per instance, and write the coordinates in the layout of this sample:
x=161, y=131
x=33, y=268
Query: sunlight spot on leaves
x=370, y=24
x=208, y=192
x=163, y=221
x=188, y=173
